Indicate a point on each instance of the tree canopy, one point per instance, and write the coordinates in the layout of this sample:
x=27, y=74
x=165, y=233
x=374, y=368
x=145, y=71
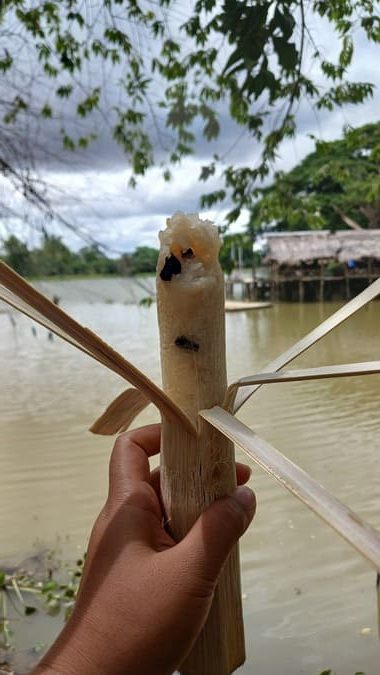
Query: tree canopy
x=54, y=258
x=174, y=74
x=336, y=186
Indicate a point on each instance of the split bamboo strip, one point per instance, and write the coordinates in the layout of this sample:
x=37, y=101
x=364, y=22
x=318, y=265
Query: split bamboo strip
x=345, y=522
x=196, y=471
x=17, y=292
x=120, y=413
x=235, y=399
x=320, y=373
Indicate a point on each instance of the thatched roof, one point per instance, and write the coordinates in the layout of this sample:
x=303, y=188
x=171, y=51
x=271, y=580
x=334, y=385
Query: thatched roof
x=291, y=248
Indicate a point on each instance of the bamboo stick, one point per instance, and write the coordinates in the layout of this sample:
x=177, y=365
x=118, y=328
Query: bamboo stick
x=320, y=373
x=196, y=471
x=345, y=522
x=235, y=399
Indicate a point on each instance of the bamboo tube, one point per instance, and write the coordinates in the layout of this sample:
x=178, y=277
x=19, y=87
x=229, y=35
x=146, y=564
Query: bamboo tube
x=196, y=471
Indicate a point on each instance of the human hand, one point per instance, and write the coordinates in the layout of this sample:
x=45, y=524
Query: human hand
x=144, y=599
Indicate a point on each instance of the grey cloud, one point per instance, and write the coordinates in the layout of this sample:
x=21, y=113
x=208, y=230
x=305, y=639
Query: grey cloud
x=44, y=138
x=93, y=187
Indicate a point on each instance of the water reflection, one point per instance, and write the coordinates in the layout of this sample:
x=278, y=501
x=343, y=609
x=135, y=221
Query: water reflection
x=308, y=595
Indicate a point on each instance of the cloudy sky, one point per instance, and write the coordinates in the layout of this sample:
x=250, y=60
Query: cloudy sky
x=91, y=189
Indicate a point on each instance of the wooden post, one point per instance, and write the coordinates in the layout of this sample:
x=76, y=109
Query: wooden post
x=301, y=290
x=322, y=283
x=197, y=470
x=347, y=283
x=272, y=272
x=254, y=295
x=370, y=270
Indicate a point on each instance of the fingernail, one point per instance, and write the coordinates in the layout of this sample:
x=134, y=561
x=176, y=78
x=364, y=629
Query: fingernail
x=246, y=498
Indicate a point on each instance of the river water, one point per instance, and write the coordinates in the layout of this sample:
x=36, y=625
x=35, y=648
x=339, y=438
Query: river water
x=309, y=599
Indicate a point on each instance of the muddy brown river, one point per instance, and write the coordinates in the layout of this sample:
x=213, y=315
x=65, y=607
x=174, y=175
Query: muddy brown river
x=309, y=599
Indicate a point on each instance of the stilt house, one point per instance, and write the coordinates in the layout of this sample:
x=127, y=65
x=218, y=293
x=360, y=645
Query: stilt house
x=318, y=265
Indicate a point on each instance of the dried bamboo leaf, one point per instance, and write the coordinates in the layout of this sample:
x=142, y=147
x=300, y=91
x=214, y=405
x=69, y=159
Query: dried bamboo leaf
x=235, y=398
x=24, y=297
x=320, y=373
x=120, y=413
x=348, y=524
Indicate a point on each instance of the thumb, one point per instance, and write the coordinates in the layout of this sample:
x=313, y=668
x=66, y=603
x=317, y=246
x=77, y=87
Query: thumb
x=209, y=542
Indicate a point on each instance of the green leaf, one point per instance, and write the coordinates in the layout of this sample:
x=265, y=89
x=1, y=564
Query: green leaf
x=49, y=586
x=211, y=128
x=212, y=198
x=89, y=103
x=76, y=16
x=2, y=578
x=46, y=111
x=206, y=172
x=237, y=55
x=68, y=142
x=50, y=70
x=6, y=62
x=233, y=215
x=64, y=91
x=285, y=21
x=287, y=53
x=345, y=56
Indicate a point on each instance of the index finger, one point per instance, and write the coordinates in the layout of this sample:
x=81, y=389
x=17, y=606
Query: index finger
x=129, y=459
x=148, y=438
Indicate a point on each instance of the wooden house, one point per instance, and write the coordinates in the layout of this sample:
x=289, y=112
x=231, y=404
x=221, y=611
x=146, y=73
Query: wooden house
x=318, y=265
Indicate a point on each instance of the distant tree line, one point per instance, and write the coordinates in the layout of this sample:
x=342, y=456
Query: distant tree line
x=54, y=258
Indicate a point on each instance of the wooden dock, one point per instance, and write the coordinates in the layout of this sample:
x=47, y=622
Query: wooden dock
x=296, y=287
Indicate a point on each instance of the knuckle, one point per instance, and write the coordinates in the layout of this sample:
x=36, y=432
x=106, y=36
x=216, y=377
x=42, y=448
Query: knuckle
x=140, y=495
x=121, y=443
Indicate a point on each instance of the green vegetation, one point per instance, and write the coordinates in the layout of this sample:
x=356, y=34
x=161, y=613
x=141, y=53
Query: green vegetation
x=236, y=249
x=336, y=186
x=142, y=261
x=247, y=58
x=53, y=591
x=54, y=259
